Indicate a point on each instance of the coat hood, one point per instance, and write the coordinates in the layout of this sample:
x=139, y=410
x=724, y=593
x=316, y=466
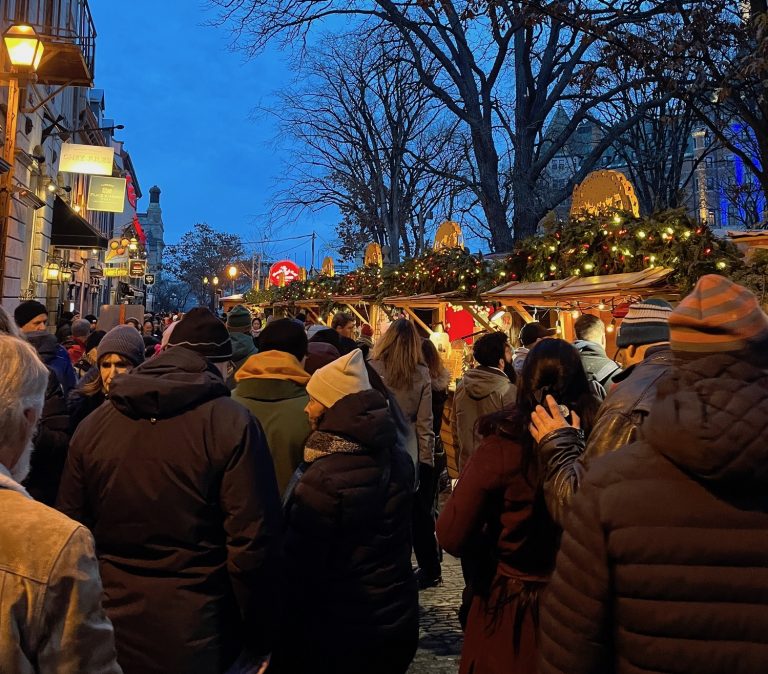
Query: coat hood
x=273, y=365
x=242, y=346
x=480, y=382
x=45, y=344
x=167, y=385
x=711, y=419
x=364, y=418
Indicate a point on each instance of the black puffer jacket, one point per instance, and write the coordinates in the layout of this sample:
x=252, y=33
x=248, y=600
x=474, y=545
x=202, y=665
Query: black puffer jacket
x=176, y=482
x=663, y=565
x=51, y=445
x=351, y=595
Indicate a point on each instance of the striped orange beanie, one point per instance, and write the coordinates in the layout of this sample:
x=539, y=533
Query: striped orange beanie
x=718, y=316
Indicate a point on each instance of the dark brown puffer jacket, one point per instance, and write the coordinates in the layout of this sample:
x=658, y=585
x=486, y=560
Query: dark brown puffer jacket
x=663, y=565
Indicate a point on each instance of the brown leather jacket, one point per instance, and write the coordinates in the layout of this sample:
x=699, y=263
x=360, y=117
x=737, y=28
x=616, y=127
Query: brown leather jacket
x=627, y=406
x=51, y=618
x=618, y=422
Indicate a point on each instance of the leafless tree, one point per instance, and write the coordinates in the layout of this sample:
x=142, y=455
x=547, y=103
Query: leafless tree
x=479, y=49
x=370, y=142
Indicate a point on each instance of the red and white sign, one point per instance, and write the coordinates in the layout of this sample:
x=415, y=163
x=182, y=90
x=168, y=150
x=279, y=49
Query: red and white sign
x=283, y=273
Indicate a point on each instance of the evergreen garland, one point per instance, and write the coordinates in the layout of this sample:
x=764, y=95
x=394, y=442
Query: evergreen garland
x=592, y=246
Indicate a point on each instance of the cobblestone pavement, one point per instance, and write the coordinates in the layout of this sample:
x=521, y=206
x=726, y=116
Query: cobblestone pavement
x=440, y=634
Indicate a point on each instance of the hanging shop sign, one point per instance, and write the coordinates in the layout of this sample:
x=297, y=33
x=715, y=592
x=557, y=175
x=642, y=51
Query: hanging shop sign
x=106, y=194
x=149, y=279
x=137, y=268
x=283, y=272
x=115, y=272
x=117, y=251
x=90, y=159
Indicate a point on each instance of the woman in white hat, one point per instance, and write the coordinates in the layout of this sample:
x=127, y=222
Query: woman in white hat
x=351, y=597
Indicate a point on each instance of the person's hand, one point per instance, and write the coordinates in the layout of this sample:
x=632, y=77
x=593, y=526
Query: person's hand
x=545, y=421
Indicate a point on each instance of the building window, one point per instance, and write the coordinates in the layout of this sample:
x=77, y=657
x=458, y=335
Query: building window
x=710, y=183
x=709, y=161
x=711, y=217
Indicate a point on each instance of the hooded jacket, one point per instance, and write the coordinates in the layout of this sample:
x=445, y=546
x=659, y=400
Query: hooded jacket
x=176, y=482
x=52, y=619
x=662, y=566
x=347, y=548
x=272, y=386
x=243, y=347
x=482, y=390
x=55, y=356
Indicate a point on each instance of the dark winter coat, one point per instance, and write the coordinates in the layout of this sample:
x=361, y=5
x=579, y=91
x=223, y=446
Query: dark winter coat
x=351, y=596
x=496, y=521
x=176, y=483
x=597, y=364
x=51, y=445
x=55, y=356
x=663, y=563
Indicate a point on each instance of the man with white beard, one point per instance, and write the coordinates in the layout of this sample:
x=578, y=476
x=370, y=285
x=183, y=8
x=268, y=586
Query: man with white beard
x=51, y=618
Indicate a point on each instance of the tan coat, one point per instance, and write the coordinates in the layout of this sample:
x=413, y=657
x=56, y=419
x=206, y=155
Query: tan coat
x=51, y=619
x=480, y=391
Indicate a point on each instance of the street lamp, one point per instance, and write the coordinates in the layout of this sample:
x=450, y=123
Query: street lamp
x=232, y=271
x=25, y=50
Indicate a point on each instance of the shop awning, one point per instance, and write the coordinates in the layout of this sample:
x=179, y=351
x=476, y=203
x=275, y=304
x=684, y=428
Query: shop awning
x=69, y=230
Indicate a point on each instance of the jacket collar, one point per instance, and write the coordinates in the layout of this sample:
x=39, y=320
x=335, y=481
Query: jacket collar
x=660, y=353
x=7, y=482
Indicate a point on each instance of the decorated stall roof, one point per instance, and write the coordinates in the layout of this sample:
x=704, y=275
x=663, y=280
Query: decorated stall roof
x=606, y=287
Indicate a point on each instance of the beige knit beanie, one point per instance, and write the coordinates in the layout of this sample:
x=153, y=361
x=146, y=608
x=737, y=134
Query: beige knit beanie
x=342, y=377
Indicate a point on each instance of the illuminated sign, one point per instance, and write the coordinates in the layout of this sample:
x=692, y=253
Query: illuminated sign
x=91, y=159
x=137, y=268
x=106, y=194
x=149, y=279
x=117, y=251
x=283, y=272
x=115, y=271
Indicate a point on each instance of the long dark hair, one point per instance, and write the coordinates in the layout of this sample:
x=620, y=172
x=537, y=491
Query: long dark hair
x=553, y=367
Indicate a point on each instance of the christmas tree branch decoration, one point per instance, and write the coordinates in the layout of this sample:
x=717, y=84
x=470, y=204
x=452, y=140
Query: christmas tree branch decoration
x=593, y=245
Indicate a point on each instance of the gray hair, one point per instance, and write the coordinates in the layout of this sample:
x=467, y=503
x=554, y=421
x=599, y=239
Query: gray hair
x=8, y=324
x=23, y=382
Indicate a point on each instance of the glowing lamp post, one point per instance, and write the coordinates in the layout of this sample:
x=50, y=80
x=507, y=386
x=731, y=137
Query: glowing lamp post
x=232, y=272
x=25, y=50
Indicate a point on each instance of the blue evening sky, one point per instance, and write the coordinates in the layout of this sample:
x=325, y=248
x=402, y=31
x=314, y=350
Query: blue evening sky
x=187, y=102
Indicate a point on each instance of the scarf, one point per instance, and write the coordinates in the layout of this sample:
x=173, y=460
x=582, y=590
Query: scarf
x=320, y=444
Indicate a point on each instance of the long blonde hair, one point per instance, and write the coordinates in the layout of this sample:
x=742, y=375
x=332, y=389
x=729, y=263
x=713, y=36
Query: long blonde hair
x=399, y=350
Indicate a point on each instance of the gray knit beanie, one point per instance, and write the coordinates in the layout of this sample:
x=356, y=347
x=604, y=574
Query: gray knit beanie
x=124, y=340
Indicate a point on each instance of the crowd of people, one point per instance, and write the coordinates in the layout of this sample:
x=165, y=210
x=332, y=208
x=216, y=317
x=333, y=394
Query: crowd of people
x=247, y=495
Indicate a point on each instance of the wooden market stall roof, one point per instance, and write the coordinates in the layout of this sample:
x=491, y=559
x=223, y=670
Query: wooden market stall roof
x=577, y=288
x=427, y=300
x=433, y=301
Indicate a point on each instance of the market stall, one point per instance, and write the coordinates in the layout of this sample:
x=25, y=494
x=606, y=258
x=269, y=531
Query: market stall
x=560, y=302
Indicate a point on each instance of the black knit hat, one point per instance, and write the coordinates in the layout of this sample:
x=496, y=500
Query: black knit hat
x=28, y=311
x=202, y=332
x=285, y=335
